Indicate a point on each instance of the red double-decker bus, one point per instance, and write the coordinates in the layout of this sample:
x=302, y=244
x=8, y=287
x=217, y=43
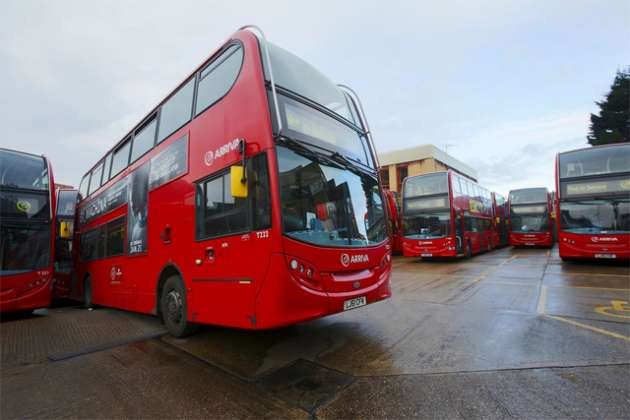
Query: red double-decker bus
x=500, y=223
x=64, y=228
x=27, y=204
x=530, y=217
x=593, y=202
x=249, y=198
x=445, y=215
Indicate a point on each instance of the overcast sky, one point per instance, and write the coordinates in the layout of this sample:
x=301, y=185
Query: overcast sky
x=503, y=84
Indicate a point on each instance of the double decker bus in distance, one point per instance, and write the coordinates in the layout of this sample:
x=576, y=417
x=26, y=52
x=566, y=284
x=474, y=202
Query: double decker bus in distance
x=445, y=215
x=27, y=204
x=248, y=198
x=530, y=217
x=500, y=212
x=593, y=202
x=64, y=228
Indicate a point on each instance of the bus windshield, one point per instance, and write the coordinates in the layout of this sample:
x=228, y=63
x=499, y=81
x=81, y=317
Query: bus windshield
x=428, y=225
x=596, y=216
x=326, y=205
x=20, y=170
x=24, y=247
x=527, y=219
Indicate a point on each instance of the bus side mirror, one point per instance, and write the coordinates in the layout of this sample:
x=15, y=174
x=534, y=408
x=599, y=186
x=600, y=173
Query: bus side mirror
x=65, y=230
x=238, y=187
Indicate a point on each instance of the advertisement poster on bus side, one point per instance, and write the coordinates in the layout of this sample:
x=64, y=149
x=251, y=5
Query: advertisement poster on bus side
x=137, y=211
x=169, y=163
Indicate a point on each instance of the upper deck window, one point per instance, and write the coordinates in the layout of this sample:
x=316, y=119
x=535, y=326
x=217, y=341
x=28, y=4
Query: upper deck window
x=120, y=159
x=177, y=110
x=218, y=77
x=21, y=170
x=426, y=185
x=95, y=180
x=143, y=140
x=528, y=196
x=296, y=75
x=598, y=161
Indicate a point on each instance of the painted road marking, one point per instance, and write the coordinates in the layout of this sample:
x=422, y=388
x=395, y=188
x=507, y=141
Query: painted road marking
x=589, y=327
x=542, y=300
x=615, y=306
x=579, y=273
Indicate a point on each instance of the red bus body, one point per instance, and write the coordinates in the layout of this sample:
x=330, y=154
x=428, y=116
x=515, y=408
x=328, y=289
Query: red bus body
x=446, y=215
x=530, y=214
x=27, y=237
x=593, y=202
x=64, y=258
x=500, y=222
x=277, y=268
x=395, y=221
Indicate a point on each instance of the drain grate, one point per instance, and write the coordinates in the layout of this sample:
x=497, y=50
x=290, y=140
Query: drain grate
x=305, y=384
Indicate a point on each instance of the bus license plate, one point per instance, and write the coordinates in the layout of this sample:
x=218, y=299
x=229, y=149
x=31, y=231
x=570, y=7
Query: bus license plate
x=354, y=303
x=426, y=255
x=611, y=256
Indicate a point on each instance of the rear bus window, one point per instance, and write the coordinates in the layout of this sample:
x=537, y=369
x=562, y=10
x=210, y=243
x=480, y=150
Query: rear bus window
x=95, y=180
x=83, y=187
x=143, y=140
x=218, y=77
x=106, y=168
x=120, y=159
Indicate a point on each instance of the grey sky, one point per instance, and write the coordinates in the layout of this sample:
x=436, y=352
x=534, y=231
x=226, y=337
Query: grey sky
x=505, y=84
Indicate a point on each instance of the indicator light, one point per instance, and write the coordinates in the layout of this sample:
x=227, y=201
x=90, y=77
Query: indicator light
x=309, y=273
x=294, y=264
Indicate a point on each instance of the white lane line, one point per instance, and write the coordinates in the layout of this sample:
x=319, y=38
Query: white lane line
x=542, y=300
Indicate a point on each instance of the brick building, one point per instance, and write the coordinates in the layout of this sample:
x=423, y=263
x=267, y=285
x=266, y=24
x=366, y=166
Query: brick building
x=399, y=164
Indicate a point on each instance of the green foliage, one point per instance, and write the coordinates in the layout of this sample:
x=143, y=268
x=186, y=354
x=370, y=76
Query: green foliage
x=612, y=125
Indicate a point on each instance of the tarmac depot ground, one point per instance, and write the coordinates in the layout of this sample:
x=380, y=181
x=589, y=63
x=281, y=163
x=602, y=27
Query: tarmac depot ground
x=510, y=333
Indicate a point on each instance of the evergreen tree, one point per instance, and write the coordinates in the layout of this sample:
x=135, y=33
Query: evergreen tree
x=612, y=125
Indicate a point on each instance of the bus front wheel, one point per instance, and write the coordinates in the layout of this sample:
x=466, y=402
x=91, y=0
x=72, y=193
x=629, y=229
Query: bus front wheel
x=174, y=308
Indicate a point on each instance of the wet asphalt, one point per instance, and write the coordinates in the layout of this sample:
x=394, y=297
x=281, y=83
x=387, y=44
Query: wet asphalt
x=510, y=333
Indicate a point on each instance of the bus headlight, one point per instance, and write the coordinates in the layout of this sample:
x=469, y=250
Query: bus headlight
x=304, y=273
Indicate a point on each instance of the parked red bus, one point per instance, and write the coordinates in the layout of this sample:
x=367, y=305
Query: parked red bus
x=248, y=198
x=64, y=228
x=445, y=215
x=593, y=202
x=395, y=221
x=500, y=223
x=27, y=204
x=530, y=217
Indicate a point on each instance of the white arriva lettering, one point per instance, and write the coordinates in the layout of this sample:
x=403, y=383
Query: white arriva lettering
x=359, y=258
x=227, y=148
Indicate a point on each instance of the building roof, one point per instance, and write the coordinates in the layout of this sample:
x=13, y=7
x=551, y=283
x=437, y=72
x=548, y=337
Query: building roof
x=425, y=151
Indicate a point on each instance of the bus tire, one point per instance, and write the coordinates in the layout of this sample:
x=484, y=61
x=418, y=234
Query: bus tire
x=174, y=307
x=468, y=250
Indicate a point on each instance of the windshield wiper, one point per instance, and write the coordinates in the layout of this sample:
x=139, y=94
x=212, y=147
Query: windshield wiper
x=349, y=164
x=298, y=147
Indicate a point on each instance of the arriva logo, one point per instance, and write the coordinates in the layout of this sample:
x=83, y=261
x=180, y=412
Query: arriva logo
x=346, y=259
x=210, y=155
x=604, y=239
